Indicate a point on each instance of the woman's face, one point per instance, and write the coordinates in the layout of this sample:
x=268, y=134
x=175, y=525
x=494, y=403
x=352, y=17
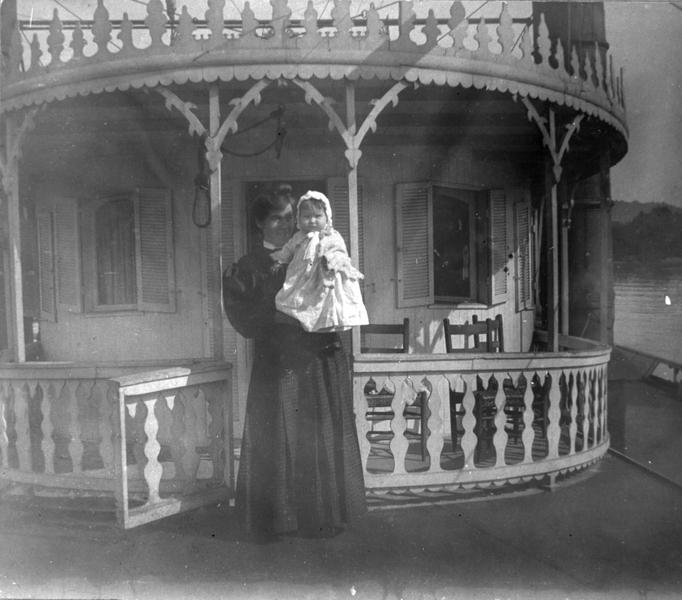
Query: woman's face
x=278, y=226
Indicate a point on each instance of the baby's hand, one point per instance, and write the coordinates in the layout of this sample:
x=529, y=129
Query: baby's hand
x=276, y=266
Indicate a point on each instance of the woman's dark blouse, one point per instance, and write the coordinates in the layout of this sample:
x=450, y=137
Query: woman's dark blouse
x=249, y=292
x=300, y=464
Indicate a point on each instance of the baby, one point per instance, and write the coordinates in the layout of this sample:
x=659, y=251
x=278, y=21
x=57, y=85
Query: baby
x=321, y=288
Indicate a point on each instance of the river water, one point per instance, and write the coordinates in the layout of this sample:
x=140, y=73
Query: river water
x=648, y=309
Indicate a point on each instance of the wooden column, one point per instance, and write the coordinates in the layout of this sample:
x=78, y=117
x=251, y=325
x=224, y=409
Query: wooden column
x=564, y=204
x=352, y=177
x=605, y=258
x=16, y=298
x=215, y=260
x=353, y=154
x=552, y=234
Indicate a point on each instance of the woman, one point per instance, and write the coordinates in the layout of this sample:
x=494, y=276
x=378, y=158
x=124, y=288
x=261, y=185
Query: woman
x=299, y=468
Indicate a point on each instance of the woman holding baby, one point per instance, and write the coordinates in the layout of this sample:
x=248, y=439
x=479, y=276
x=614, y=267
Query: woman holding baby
x=300, y=470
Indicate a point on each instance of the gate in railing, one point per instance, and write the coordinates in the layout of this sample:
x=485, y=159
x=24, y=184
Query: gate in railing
x=176, y=426
x=160, y=440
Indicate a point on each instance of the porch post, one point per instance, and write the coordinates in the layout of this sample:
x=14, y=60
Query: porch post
x=605, y=250
x=16, y=298
x=557, y=147
x=215, y=163
x=564, y=202
x=352, y=177
x=551, y=227
x=353, y=155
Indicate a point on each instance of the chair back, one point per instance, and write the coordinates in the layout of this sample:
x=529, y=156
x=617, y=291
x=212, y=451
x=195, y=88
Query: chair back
x=495, y=335
x=400, y=333
x=477, y=336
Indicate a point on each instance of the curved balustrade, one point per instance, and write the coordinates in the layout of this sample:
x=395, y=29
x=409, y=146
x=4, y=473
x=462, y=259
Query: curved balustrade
x=521, y=417
x=63, y=425
x=518, y=417
x=104, y=55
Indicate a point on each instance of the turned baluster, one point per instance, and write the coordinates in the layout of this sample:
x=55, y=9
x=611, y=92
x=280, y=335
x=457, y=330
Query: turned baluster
x=572, y=389
x=500, y=438
x=554, y=415
x=152, y=470
x=177, y=447
x=362, y=425
x=47, y=408
x=469, y=438
x=399, y=443
x=21, y=425
x=439, y=397
x=107, y=405
x=75, y=442
x=603, y=407
x=590, y=392
x=528, y=435
x=55, y=39
x=190, y=459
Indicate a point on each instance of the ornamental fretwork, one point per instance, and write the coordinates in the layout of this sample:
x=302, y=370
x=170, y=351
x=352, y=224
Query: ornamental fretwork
x=104, y=54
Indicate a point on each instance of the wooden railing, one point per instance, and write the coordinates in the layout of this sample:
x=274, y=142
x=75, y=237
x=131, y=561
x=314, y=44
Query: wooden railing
x=96, y=53
x=522, y=416
x=158, y=437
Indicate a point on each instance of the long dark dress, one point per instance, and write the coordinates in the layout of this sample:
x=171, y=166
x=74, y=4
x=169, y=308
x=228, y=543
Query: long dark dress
x=299, y=468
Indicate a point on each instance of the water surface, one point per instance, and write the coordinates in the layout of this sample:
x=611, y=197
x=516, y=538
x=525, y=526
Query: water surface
x=648, y=309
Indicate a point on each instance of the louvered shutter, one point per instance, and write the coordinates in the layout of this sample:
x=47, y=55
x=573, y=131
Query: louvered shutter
x=337, y=192
x=154, y=244
x=46, y=265
x=414, y=236
x=524, y=270
x=67, y=254
x=499, y=250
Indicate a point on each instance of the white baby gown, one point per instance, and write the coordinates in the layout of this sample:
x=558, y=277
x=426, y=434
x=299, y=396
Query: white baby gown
x=321, y=289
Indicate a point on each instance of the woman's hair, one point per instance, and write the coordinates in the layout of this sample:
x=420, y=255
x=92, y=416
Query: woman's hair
x=269, y=202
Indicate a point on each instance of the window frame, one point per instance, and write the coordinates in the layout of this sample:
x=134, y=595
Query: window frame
x=164, y=199
x=474, y=253
x=90, y=258
x=415, y=247
x=58, y=234
x=524, y=250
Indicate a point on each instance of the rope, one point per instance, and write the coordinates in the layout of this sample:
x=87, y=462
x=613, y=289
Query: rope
x=278, y=142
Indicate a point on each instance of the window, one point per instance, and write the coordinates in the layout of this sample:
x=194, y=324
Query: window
x=128, y=252
x=456, y=215
x=452, y=245
x=59, y=257
x=524, y=253
x=115, y=254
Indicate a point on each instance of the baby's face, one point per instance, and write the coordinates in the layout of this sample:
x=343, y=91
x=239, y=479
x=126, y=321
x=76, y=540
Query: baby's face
x=311, y=218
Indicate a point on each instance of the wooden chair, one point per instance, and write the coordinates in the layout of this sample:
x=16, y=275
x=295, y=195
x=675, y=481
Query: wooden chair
x=399, y=332
x=478, y=336
x=379, y=401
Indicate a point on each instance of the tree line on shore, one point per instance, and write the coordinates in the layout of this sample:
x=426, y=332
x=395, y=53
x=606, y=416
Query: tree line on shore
x=653, y=235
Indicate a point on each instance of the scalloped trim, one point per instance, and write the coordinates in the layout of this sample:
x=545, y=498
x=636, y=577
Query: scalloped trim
x=74, y=82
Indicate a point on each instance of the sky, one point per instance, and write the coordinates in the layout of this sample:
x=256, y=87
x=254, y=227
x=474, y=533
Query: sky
x=645, y=39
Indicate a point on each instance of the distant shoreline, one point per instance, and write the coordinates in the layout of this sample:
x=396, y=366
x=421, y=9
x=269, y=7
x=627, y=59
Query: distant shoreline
x=667, y=268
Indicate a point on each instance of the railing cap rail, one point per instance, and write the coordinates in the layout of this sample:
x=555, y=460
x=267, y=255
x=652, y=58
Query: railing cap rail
x=175, y=52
